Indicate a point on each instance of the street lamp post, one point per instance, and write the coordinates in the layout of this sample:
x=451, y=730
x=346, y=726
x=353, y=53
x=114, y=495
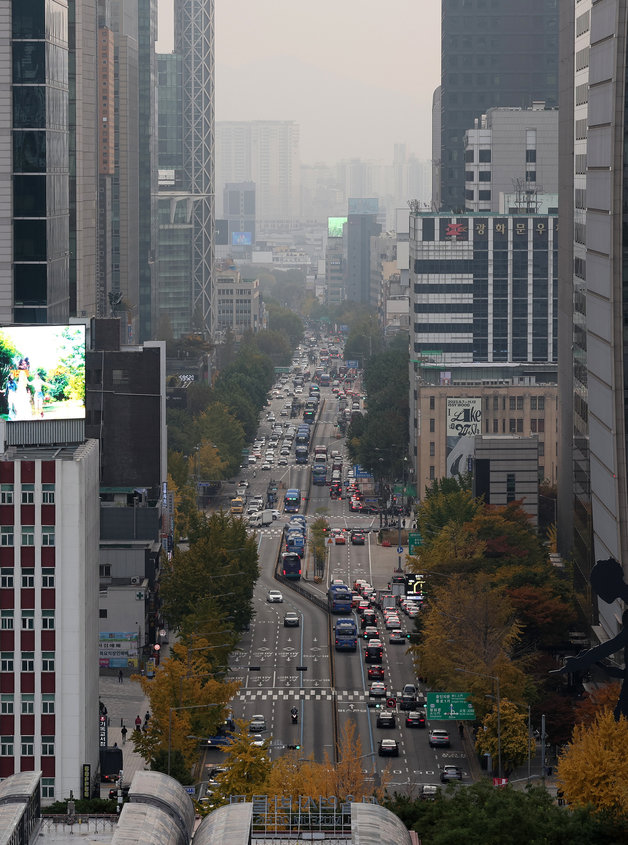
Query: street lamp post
x=499, y=713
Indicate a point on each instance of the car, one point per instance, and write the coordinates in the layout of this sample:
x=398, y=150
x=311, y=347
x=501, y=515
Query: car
x=386, y=719
x=271, y=417
x=243, y=483
x=283, y=461
x=429, y=791
x=257, y=724
x=357, y=538
x=266, y=465
x=439, y=738
x=356, y=598
x=369, y=618
x=258, y=740
x=376, y=673
x=388, y=748
x=377, y=690
x=362, y=606
x=252, y=459
x=276, y=514
x=370, y=633
x=397, y=637
x=392, y=622
x=373, y=651
x=415, y=719
x=450, y=773
x=291, y=619
x=339, y=537
x=274, y=596
x=284, y=412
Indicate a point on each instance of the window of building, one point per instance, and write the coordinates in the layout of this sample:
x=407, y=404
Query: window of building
x=530, y=155
x=28, y=577
x=432, y=473
x=6, y=620
x=47, y=661
x=47, y=746
x=519, y=425
x=48, y=703
x=6, y=494
x=512, y=403
x=28, y=494
x=28, y=620
x=48, y=620
x=533, y=403
x=6, y=746
x=119, y=377
x=530, y=175
x=541, y=425
x=510, y=487
x=495, y=426
x=432, y=403
x=484, y=156
x=104, y=570
x=102, y=613
x=6, y=578
x=6, y=535
x=48, y=494
x=468, y=155
x=47, y=535
x=485, y=175
x=28, y=704
x=47, y=787
x=6, y=704
x=432, y=425
x=541, y=403
x=28, y=661
x=484, y=195
x=541, y=449
x=533, y=425
x=520, y=403
x=6, y=661
x=28, y=746
x=468, y=176
x=432, y=448
x=512, y=425
x=28, y=535
x=47, y=577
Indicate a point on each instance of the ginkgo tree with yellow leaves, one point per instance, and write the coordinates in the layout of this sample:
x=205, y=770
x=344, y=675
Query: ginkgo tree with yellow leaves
x=510, y=731
x=593, y=770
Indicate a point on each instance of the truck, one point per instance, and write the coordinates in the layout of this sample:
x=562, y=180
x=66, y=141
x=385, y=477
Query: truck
x=110, y=763
x=261, y=518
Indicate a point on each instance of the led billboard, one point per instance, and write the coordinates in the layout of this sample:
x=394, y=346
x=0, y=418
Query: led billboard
x=241, y=239
x=42, y=372
x=334, y=226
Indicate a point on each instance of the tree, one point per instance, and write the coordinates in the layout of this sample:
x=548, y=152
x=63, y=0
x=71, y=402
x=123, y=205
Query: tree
x=596, y=701
x=440, y=508
x=470, y=625
x=512, y=728
x=593, y=770
x=210, y=464
x=247, y=766
x=545, y=618
x=218, y=426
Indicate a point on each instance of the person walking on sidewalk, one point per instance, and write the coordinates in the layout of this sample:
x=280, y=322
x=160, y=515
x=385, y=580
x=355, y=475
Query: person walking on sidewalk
x=124, y=733
x=120, y=676
x=138, y=722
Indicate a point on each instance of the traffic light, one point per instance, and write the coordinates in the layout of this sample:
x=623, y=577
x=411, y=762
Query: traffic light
x=294, y=747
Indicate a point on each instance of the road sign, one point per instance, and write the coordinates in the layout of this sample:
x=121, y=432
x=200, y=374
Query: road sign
x=399, y=550
x=191, y=790
x=391, y=702
x=360, y=472
x=449, y=705
x=352, y=365
x=414, y=541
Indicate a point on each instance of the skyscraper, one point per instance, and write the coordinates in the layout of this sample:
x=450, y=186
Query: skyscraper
x=505, y=55
x=194, y=43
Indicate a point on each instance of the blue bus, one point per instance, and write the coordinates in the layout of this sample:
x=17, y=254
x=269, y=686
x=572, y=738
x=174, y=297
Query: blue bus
x=319, y=474
x=301, y=454
x=291, y=565
x=309, y=415
x=295, y=543
x=303, y=436
x=346, y=635
x=339, y=599
x=292, y=500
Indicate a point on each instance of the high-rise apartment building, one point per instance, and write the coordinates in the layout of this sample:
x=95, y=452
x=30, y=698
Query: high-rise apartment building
x=502, y=53
x=265, y=152
x=335, y=261
x=594, y=289
x=511, y=160
x=484, y=287
x=239, y=211
x=194, y=43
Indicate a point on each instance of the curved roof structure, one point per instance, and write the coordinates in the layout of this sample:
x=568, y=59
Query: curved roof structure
x=230, y=824
x=375, y=825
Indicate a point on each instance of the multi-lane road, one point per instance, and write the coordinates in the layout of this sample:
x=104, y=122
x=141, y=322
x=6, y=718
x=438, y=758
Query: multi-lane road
x=281, y=667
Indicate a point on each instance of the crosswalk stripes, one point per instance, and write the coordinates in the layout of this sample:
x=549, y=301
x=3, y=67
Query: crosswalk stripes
x=307, y=694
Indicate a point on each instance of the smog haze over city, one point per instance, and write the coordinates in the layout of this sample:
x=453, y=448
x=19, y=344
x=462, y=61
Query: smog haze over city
x=356, y=75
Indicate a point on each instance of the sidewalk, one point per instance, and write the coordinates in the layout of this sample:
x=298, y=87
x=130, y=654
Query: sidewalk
x=124, y=702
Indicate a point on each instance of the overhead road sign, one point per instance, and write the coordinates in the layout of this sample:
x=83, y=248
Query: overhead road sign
x=449, y=705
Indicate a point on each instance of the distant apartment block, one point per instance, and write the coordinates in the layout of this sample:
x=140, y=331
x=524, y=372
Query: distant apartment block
x=238, y=303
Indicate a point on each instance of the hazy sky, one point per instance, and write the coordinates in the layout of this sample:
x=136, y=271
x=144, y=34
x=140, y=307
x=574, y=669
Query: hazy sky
x=356, y=75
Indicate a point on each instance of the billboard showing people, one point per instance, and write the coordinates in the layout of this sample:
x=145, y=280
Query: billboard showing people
x=42, y=372
x=464, y=421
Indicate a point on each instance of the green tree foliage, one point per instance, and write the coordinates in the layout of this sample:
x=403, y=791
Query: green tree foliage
x=513, y=728
x=247, y=766
x=482, y=815
x=181, y=434
x=219, y=427
x=178, y=469
x=364, y=340
x=440, y=508
x=275, y=344
x=286, y=322
x=221, y=562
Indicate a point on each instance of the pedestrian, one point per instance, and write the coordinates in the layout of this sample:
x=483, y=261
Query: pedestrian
x=138, y=722
x=120, y=676
x=146, y=716
x=124, y=733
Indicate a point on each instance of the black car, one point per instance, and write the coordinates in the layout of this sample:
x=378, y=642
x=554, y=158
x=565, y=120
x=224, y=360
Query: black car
x=357, y=538
x=370, y=633
x=369, y=618
x=386, y=719
x=388, y=748
x=376, y=673
x=415, y=719
x=373, y=652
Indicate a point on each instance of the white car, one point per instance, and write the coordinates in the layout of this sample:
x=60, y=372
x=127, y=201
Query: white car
x=274, y=595
x=276, y=514
x=257, y=723
x=283, y=461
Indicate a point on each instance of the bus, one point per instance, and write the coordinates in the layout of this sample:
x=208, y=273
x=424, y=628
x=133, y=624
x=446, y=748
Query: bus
x=346, y=635
x=292, y=500
x=324, y=380
x=319, y=474
x=301, y=454
x=291, y=566
x=309, y=415
x=302, y=436
x=314, y=389
x=339, y=598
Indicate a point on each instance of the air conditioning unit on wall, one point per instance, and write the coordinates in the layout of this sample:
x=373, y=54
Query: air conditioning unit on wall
x=136, y=579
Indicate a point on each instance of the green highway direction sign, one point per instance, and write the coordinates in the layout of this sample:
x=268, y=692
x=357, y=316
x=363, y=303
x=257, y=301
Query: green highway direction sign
x=449, y=705
x=414, y=541
x=283, y=370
